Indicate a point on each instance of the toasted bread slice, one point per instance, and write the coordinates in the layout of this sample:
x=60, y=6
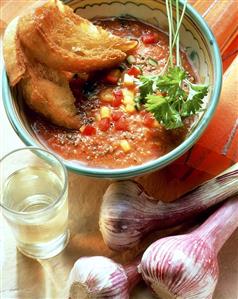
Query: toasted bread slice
x=47, y=91
x=59, y=38
x=12, y=53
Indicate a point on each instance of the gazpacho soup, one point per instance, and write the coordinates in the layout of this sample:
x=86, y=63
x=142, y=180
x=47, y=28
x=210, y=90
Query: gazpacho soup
x=117, y=131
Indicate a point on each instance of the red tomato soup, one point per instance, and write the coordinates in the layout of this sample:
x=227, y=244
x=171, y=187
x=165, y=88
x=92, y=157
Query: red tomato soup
x=114, y=133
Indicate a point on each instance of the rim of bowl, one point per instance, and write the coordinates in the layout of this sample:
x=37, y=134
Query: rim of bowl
x=153, y=164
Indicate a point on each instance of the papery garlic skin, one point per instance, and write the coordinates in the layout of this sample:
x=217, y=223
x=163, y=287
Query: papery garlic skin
x=98, y=277
x=186, y=267
x=181, y=267
x=128, y=213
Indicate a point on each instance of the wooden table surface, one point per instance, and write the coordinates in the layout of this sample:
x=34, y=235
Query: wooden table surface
x=24, y=278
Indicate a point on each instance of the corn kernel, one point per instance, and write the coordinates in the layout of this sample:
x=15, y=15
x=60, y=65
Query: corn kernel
x=82, y=128
x=105, y=112
x=128, y=80
x=156, y=124
x=98, y=117
x=130, y=108
x=128, y=96
x=125, y=145
x=106, y=95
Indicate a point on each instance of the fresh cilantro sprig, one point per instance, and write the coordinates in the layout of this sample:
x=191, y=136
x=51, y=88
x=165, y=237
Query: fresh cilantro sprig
x=170, y=96
x=180, y=101
x=168, y=99
x=194, y=100
x=146, y=86
x=164, y=111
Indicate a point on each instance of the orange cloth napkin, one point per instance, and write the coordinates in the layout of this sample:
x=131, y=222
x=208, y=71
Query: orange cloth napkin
x=218, y=147
x=221, y=15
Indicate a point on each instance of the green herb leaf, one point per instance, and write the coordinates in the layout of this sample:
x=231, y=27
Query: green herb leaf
x=163, y=111
x=146, y=86
x=170, y=96
x=171, y=81
x=195, y=99
x=175, y=101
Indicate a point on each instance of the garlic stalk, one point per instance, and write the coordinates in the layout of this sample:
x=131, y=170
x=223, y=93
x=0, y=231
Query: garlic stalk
x=128, y=213
x=100, y=277
x=186, y=266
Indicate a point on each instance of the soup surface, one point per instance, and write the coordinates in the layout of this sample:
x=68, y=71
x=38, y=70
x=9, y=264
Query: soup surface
x=114, y=132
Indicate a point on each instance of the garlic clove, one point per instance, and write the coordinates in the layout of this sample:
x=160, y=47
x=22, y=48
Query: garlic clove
x=100, y=277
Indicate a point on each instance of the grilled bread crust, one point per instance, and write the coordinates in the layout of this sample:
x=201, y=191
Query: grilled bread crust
x=59, y=38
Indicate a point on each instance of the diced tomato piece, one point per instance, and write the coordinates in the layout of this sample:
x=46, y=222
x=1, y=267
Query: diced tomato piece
x=150, y=38
x=116, y=115
x=89, y=130
x=148, y=121
x=111, y=79
x=134, y=71
x=143, y=112
x=113, y=76
x=104, y=124
x=122, y=124
x=118, y=98
x=117, y=102
x=118, y=94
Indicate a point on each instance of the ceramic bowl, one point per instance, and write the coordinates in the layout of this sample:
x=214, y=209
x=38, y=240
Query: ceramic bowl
x=197, y=40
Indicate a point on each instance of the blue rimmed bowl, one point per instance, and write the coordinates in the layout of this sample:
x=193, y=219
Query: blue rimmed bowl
x=197, y=40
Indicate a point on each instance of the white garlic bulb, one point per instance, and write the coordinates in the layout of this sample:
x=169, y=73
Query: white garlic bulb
x=100, y=277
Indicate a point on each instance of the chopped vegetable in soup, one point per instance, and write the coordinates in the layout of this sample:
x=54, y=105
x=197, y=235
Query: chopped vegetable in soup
x=116, y=131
